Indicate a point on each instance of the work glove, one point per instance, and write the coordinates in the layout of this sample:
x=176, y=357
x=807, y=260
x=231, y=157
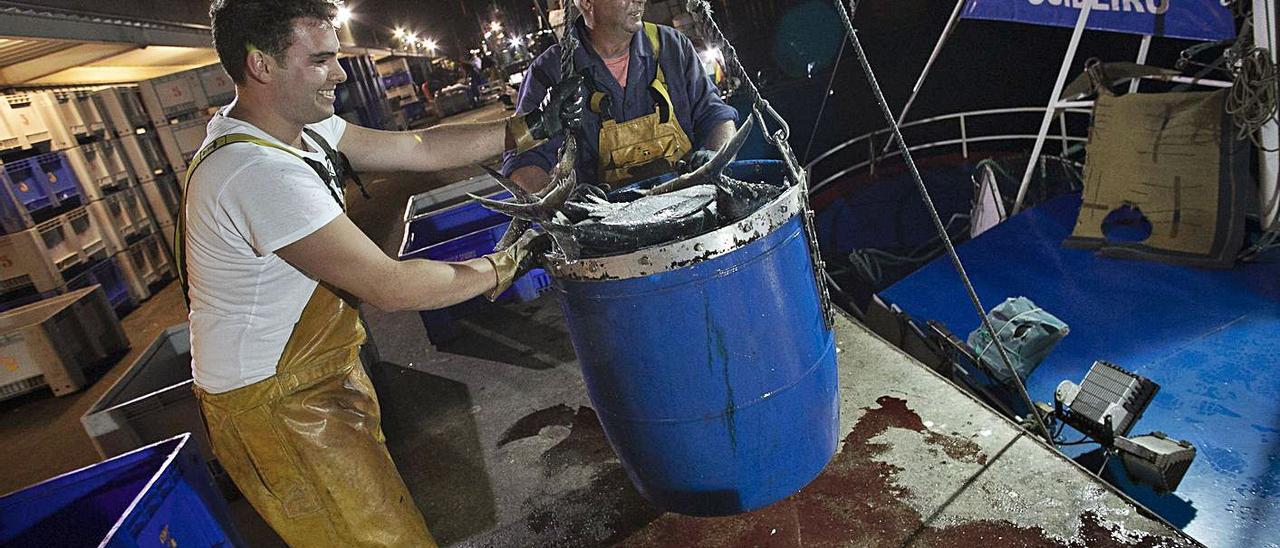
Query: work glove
x=696, y=160
x=563, y=110
x=513, y=262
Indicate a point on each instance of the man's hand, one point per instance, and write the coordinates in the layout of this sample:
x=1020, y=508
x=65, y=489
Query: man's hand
x=563, y=109
x=513, y=262
x=696, y=160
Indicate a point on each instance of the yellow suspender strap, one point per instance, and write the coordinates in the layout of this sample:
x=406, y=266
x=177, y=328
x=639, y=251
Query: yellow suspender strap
x=660, y=82
x=651, y=30
x=180, y=229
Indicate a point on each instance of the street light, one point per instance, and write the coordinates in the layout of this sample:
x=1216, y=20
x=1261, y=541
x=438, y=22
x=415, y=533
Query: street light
x=399, y=33
x=495, y=26
x=344, y=15
x=430, y=44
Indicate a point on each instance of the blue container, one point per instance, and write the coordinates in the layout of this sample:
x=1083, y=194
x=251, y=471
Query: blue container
x=61, y=179
x=457, y=233
x=107, y=274
x=14, y=215
x=396, y=80
x=709, y=361
x=28, y=185
x=148, y=497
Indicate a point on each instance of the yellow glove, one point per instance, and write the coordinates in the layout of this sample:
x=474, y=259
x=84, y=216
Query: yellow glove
x=512, y=262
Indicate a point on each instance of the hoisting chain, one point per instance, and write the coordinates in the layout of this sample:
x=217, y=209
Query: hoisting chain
x=763, y=112
x=568, y=46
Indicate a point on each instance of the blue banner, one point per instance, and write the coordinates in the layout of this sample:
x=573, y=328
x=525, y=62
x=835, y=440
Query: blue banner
x=1206, y=20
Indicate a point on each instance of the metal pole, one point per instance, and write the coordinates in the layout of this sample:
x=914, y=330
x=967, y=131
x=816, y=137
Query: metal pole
x=1264, y=36
x=937, y=49
x=1053, y=106
x=1142, y=60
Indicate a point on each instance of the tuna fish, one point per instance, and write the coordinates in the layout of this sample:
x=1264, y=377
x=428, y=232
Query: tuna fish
x=584, y=221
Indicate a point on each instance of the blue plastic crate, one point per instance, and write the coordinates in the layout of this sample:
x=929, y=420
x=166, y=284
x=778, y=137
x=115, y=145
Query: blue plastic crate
x=444, y=224
x=28, y=185
x=14, y=216
x=107, y=274
x=60, y=177
x=398, y=79
x=443, y=235
x=159, y=495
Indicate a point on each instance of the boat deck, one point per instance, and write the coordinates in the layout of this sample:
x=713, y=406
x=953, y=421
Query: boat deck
x=1208, y=337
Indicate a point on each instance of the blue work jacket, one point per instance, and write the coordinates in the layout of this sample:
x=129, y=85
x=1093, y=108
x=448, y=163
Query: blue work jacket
x=697, y=104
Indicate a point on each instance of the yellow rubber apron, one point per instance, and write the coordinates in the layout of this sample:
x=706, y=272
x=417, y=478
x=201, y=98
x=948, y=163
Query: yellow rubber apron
x=305, y=446
x=646, y=146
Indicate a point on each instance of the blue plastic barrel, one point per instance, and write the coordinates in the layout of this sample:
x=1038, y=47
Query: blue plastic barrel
x=709, y=361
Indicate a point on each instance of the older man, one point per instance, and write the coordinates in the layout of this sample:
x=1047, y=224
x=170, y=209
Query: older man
x=652, y=104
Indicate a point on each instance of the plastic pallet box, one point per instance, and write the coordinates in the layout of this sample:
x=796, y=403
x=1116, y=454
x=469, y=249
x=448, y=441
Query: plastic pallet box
x=218, y=87
x=132, y=274
x=14, y=214
x=28, y=187
x=167, y=233
x=180, y=141
x=89, y=237
x=122, y=218
x=174, y=96
x=39, y=259
x=149, y=262
x=145, y=157
x=60, y=179
x=107, y=274
x=152, y=401
x=61, y=119
x=162, y=197
x=21, y=124
x=95, y=123
x=89, y=164
x=121, y=110
x=62, y=337
x=158, y=495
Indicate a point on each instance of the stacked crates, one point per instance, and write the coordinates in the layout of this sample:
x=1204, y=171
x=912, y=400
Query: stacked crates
x=362, y=98
x=402, y=94
x=79, y=176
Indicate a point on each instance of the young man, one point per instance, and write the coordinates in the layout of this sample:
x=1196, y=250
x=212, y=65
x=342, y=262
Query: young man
x=272, y=268
x=652, y=105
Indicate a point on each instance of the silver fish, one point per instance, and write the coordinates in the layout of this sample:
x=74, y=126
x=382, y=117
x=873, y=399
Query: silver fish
x=584, y=222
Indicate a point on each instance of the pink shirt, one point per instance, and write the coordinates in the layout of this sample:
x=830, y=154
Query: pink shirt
x=618, y=68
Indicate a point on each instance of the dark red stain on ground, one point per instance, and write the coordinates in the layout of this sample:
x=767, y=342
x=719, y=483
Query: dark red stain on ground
x=854, y=502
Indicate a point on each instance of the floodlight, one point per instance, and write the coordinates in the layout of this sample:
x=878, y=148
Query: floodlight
x=1107, y=403
x=1155, y=459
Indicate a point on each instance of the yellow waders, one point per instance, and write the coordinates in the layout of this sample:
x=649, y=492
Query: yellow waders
x=646, y=146
x=305, y=446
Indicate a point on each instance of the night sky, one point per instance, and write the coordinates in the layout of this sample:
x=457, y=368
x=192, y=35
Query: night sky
x=791, y=46
x=454, y=24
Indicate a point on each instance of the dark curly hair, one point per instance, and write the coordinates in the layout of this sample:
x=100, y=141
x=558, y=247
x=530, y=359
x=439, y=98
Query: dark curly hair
x=266, y=24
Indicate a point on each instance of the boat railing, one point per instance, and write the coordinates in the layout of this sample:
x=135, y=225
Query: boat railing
x=865, y=151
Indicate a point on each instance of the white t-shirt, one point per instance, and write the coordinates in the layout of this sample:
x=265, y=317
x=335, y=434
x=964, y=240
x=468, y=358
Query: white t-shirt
x=244, y=202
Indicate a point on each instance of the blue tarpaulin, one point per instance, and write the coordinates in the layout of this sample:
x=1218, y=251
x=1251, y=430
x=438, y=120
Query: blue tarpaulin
x=1205, y=20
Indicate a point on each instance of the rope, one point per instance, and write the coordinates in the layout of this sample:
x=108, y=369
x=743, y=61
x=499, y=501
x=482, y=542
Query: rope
x=1252, y=102
x=933, y=210
x=825, y=95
